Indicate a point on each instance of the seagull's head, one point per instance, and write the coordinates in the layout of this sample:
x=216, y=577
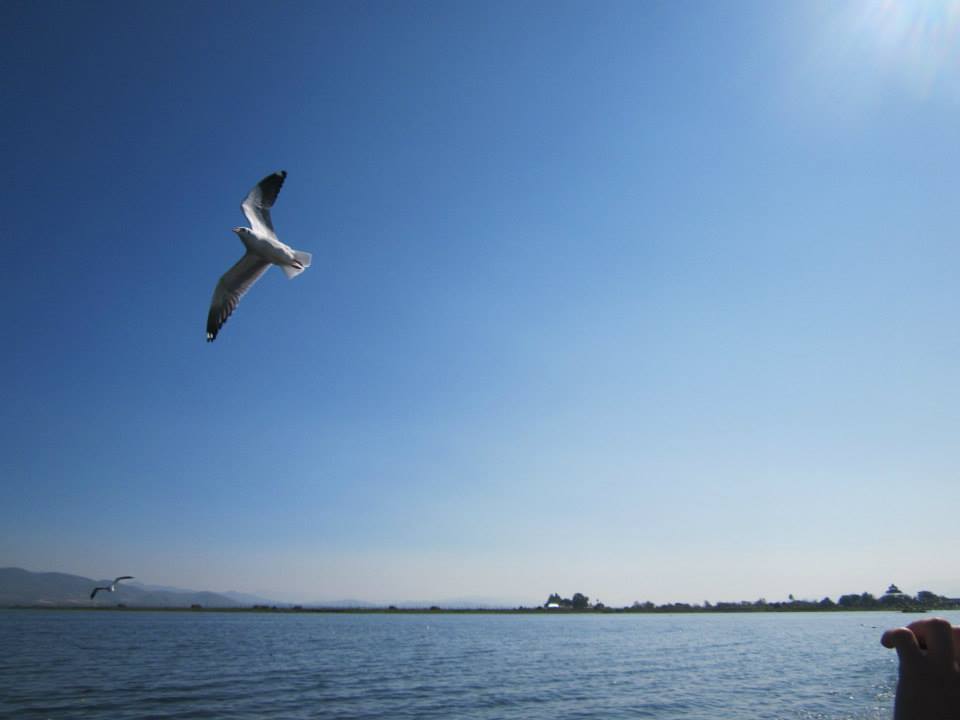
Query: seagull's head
x=241, y=231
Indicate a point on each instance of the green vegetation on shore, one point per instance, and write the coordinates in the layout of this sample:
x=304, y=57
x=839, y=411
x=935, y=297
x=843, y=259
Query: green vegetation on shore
x=891, y=600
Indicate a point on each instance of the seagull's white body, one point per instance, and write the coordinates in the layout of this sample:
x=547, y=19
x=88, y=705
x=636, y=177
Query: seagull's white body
x=267, y=247
x=263, y=250
x=112, y=587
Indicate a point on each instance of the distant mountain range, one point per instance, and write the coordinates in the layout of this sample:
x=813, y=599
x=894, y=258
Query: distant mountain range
x=22, y=587
x=460, y=603
x=244, y=599
x=52, y=589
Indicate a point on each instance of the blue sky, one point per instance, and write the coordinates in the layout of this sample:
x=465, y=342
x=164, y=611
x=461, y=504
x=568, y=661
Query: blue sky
x=642, y=300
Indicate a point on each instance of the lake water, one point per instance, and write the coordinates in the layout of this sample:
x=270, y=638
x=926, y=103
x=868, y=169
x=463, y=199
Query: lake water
x=115, y=665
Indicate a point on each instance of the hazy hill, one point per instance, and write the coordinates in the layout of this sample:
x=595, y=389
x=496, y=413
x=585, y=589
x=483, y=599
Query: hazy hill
x=22, y=587
x=343, y=604
x=244, y=599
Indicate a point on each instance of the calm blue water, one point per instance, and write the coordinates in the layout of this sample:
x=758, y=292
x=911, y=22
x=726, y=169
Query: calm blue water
x=218, y=665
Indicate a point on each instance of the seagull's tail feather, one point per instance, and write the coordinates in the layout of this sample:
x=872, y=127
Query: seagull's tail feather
x=303, y=258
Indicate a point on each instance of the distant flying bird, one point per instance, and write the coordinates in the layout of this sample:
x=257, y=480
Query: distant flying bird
x=112, y=587
x=263, y=250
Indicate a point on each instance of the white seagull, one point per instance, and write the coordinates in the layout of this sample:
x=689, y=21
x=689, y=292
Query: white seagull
x=112, y=587
x=263, y=250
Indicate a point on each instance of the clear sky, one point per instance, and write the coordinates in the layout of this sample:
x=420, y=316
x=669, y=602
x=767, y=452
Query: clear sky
x=645, y=300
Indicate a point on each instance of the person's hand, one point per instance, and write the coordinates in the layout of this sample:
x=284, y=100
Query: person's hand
x=929, y=685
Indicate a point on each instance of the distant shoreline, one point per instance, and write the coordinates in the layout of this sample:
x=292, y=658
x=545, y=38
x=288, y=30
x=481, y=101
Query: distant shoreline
x=783, y=608
x=23, y=589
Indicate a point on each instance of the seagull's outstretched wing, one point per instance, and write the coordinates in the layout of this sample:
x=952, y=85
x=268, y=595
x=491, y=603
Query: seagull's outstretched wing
x=256, y=205
x=233, y=286
x=95, y=591
x=123, y=577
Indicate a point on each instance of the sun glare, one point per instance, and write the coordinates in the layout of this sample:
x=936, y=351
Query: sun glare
x=917, y=40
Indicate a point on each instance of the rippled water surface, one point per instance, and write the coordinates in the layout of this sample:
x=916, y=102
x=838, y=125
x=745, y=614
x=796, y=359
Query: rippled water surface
x=79, y=664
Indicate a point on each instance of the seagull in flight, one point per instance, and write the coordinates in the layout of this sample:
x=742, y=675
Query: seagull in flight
x=112, y=587
x=263, y=250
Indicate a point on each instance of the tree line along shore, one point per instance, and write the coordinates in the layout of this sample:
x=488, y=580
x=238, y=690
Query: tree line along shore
x=891, y=600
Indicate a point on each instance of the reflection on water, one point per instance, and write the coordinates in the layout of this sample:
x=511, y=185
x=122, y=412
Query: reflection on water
x=178, y=665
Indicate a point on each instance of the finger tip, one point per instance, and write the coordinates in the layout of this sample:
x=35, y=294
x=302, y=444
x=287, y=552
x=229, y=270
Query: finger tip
x=897, y=636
